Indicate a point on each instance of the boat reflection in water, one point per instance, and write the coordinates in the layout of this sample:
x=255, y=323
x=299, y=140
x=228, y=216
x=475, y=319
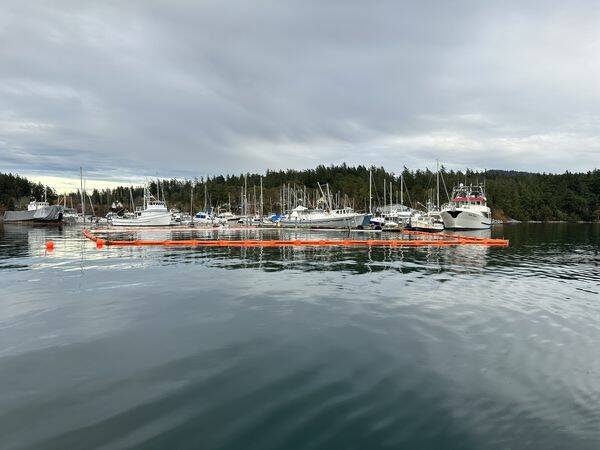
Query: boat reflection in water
x=69, y=243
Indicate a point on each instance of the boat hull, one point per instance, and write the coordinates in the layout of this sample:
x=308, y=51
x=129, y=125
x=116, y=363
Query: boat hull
x=46, y=214
x=426, y=228
x=151, y=220
x=465, y=220
x=346, y=221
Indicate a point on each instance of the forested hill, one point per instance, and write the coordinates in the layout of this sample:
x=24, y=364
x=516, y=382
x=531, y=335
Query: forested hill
x=16, y=191
x=511, y=194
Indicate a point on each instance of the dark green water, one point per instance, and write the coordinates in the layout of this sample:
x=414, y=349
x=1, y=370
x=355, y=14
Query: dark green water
x=153, y=348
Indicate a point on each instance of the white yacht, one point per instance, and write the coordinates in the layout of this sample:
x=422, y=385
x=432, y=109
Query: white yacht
x=302, y=217
x=467, y=209
x=153, y=213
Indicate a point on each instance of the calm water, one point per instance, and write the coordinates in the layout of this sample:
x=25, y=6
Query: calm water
x=153, y=348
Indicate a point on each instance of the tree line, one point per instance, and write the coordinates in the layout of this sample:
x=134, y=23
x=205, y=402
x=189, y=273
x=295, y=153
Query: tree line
x=516, y=195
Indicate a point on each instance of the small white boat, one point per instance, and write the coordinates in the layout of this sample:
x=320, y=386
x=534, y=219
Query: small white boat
x=227, y=216
x=391, y=226
x=205, y=218
x=153, y=213
x=71, y=216
x=423, y=222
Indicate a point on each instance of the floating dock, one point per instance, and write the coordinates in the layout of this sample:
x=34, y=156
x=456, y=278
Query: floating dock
x=413, y=239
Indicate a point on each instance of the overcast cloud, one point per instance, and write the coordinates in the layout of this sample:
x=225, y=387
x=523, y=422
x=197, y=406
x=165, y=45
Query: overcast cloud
x=178, y=88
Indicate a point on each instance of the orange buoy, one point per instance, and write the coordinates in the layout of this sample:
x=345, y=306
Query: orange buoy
x=49, y=245
x=99, y=243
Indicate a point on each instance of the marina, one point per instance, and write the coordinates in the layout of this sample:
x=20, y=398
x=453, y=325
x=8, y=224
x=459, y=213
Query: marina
x=299, y=225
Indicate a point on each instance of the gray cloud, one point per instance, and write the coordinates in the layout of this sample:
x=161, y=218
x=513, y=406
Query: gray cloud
x=189, y=88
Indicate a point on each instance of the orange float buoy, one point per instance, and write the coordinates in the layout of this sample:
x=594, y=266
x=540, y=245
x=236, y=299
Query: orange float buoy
x=49, y=245
x=99, y=244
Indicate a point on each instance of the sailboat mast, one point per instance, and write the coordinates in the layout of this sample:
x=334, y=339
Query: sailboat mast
x=261, y=197
x=402, y=188
x=192, y=200
x=245, y=195
x=370, y=192
x=438, y=182
x=81, y=192
x=131, y=199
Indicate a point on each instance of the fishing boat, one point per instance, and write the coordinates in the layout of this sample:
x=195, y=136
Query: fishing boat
x=153, y=213
x=37, y=211
x=467, y=209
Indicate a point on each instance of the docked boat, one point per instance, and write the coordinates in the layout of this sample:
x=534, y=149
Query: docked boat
x=153, y=213
x=392, y=214
x=467, y=209
x=41, y=212
x=205, y=218
x=424, y=222
x=227, y=216
x=71, y=216
x=302, y=217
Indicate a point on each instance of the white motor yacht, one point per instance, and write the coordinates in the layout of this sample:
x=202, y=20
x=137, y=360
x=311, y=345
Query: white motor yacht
x=467, y=209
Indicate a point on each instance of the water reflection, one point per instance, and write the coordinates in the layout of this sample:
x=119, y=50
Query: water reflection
x=297, y=347
x=549, y=251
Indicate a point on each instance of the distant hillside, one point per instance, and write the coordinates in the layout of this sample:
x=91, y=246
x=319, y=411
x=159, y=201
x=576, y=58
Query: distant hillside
x=511, y=194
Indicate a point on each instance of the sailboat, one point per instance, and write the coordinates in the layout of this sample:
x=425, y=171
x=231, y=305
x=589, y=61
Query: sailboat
x=429, y=220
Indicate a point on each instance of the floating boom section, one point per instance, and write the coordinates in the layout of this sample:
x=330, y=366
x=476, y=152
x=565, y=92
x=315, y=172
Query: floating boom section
x=438, y=240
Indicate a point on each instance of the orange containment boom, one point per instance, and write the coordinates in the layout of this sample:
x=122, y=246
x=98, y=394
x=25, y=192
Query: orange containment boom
x=437, y=240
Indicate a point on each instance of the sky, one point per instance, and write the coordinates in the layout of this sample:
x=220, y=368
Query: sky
x=193, y=88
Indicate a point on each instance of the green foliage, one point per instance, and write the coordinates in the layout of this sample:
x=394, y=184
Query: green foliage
x=511, y=194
